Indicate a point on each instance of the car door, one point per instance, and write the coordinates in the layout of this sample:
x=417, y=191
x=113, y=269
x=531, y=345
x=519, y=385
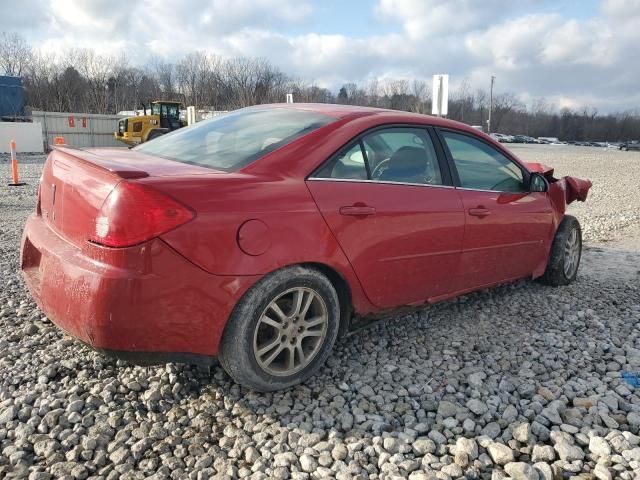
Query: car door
x=507, y=227
x=394, y=213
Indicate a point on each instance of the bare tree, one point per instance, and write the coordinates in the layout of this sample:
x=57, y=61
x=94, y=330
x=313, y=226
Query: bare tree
x=422, y=95
x=15, y=54
x=165, y=74
x=97, y=70
x=461, y=103
x=503, y=104
x=84, y=81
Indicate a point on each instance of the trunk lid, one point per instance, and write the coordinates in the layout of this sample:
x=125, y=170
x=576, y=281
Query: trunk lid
x=76, y=182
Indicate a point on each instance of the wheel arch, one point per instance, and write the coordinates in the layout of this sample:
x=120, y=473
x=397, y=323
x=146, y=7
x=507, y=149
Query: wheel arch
x=342, y=289
x=337, y=280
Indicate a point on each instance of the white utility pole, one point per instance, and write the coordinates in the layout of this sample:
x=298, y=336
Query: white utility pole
x=191, y=115
x=493, y=79
x=440, y=94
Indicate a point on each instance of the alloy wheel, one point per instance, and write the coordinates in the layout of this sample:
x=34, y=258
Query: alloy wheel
x=571, y=254
x=290, y=332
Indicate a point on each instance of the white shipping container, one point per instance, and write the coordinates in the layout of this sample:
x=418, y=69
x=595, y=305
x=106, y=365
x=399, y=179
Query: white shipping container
x=28, y=137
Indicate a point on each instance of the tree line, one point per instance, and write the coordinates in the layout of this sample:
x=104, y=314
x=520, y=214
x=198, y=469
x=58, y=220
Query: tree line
x=81, y=80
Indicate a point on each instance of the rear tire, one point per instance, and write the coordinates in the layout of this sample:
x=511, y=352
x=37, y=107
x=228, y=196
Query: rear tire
x=282, y=330
x=565, y=255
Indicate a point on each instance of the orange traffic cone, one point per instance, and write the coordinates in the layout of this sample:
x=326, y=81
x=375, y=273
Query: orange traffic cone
x=14, y=167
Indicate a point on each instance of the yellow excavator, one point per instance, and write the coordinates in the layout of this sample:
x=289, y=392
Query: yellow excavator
x=164, y=118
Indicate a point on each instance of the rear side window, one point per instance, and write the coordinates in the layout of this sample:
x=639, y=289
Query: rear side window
x=482, y=167
x=232, y=141
x=348, y=164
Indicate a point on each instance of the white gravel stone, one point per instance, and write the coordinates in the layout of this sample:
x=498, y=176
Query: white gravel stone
x=467, y=446
x=308, y=463
x=601, y=472
x=543, y=453
x=599, y=447
x=521, y=432
x=423, y=446
x=568, y=452
x=521, y=471
x=500, y=454
x=545, y=472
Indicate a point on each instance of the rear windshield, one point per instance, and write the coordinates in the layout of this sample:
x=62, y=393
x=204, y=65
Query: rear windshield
x=234, y=140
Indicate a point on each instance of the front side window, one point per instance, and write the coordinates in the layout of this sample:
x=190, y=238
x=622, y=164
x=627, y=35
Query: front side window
x=399, y=155
x=482, y=167
x=231, y=141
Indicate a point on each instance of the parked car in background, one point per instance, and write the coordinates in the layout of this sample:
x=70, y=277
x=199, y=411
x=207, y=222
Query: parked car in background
x=630, y=145
x=502, y=138
x=257, y=236
x=549, y=140
x=524, y=139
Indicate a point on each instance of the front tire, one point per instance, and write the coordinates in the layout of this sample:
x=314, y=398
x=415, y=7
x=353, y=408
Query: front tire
x=565, y=255
x=282, y=330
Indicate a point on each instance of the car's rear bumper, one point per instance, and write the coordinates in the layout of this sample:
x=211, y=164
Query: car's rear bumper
x=146, y=303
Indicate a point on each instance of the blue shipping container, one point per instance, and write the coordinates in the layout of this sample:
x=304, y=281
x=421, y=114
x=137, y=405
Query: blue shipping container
x=11, y=97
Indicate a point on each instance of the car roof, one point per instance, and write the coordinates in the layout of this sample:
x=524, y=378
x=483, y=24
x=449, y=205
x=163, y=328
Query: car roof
x=365, y=118
x=345, y=111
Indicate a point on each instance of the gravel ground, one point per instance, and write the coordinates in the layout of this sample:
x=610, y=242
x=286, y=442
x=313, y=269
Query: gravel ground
x=522, y=381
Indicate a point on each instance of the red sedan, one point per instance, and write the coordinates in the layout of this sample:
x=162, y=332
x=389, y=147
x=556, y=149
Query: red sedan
x=259, y=235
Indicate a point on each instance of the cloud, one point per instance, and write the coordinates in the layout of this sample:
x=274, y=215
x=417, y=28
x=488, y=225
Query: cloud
x=203, y=19
x=27, y=16
x=534, y=47
x=428, y=18
x=621, y=9
x=91, y=17
x=575, y=62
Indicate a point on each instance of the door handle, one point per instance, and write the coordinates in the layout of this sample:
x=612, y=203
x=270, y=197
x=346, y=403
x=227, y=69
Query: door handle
x=357, y=210
x=479, y=212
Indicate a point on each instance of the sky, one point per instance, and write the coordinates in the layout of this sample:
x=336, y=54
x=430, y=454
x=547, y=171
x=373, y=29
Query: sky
x=572, y=53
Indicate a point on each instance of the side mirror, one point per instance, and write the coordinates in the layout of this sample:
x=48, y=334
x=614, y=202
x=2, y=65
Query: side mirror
x=537, y=183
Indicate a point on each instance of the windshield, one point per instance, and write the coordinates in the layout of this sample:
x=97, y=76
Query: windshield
x=170, y=111
x=234, y=140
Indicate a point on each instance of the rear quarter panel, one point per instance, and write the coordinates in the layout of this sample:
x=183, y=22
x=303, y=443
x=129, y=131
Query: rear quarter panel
x=296, y=231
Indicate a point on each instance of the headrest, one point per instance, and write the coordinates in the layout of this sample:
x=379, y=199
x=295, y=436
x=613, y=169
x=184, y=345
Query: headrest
x=406, y=162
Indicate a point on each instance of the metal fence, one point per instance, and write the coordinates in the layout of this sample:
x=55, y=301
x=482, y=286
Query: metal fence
x=78, y=129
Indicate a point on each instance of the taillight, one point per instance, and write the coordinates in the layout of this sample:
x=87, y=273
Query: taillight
x=134, y=213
